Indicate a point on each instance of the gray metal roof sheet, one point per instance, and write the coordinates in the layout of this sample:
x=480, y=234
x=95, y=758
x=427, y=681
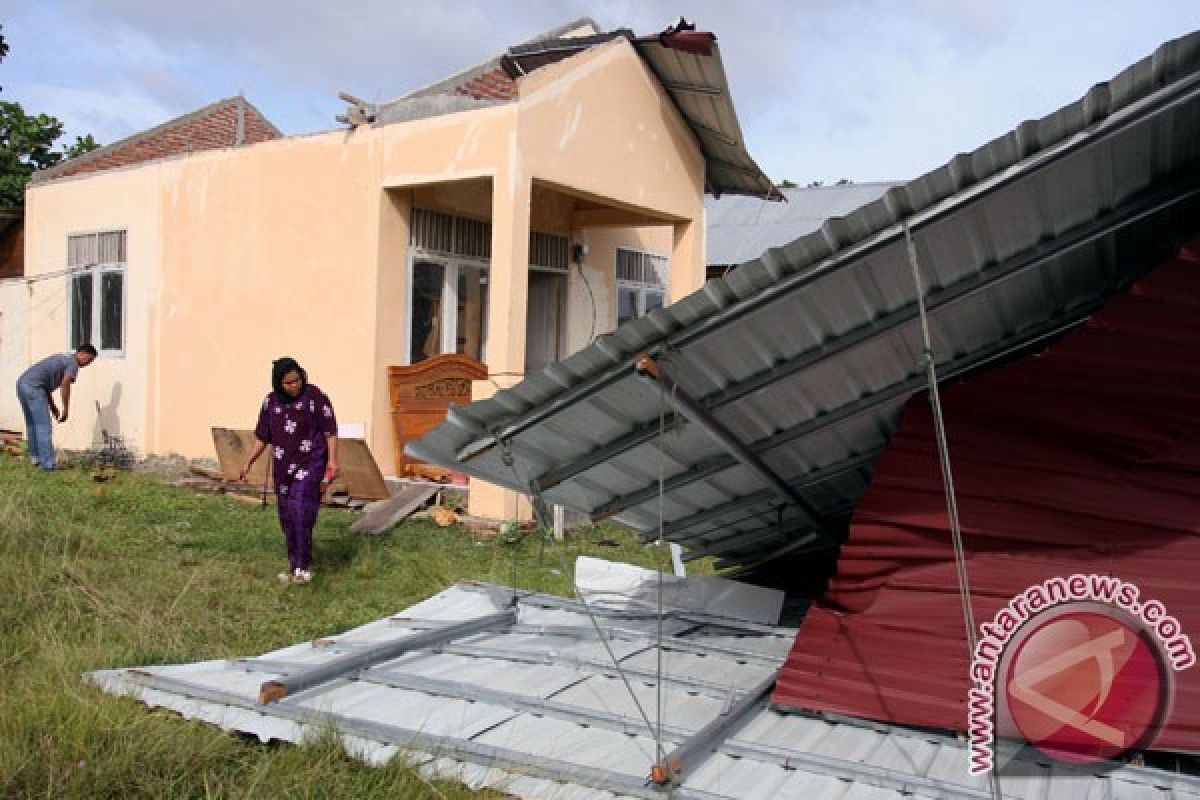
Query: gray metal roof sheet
x=558, y=731
x=740, y=229
x=699, y=89
x=808, y=353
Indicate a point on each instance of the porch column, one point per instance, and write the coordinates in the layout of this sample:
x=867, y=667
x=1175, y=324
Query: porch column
x=508, y=279
x=687, y=258
x=508, y=296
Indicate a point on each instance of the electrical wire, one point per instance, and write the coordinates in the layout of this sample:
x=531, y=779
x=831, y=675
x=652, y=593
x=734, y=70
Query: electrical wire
x=591, y=298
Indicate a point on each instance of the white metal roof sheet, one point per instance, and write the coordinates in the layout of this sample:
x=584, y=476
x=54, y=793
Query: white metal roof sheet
x=560, y=731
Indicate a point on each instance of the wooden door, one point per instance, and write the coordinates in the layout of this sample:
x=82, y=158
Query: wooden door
x=423, y=393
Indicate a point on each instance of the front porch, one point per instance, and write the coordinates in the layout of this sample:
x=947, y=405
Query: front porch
x=473, y=264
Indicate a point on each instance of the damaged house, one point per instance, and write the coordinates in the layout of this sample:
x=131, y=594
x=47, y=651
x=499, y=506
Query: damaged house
x=997, y=358
x=440, y=248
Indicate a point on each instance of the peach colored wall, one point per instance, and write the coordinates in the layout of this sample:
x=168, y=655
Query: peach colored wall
x=14, y=348
x=299, y=246
x=600, y=123
x=120, y=385
x=599, y=267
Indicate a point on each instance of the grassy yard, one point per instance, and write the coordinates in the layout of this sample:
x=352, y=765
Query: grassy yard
x=133, y=572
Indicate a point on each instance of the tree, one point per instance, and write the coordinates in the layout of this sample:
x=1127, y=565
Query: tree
x=27, y=145
x=83, y=144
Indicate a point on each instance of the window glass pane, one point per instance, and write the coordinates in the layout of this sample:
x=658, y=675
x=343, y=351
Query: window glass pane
x=425, y=338
x=81, y=309
x=471, y=332
x=653, y=300
x=112, y=303
x=626, y=304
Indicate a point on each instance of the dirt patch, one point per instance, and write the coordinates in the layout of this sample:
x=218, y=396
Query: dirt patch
x=172, y=468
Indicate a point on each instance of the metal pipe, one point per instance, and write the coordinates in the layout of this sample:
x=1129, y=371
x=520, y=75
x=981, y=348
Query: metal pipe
x=896, y=393
x=685, y=404
x=351, y=662
x=695, y=749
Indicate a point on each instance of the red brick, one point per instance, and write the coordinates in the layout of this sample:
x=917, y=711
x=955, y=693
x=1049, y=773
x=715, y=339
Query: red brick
x=214, y=130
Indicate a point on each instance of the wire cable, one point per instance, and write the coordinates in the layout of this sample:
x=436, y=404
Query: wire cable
x=943, y=445
x=539, y=510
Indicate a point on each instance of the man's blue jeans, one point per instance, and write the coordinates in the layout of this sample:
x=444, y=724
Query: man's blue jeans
x=36, y=408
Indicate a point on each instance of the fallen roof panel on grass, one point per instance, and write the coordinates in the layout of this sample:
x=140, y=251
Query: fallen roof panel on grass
x=556, y=729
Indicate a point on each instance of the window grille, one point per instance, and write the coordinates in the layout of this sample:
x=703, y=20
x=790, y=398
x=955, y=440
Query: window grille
x=96, y=289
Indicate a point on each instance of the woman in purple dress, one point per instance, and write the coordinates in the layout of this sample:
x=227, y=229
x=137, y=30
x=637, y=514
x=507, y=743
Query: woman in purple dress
x=297, y=421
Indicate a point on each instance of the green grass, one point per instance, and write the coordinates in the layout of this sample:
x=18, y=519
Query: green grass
x=143, y=573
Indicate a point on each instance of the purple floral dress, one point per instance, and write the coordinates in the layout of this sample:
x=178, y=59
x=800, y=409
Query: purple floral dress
x=295, y=435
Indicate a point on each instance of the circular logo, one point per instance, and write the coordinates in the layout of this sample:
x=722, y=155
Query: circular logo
x=1085, y=687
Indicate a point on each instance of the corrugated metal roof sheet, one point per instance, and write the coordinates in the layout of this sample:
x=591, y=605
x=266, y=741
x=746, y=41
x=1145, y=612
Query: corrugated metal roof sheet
x=808, y=354
x=740, y=229
x=543, y=715
x=1083, y=460
x=698, y=86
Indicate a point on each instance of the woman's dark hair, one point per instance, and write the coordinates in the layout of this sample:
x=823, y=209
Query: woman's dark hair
x=281, y=367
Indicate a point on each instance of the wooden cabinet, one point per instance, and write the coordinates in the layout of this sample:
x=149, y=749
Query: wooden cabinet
x=421, y=395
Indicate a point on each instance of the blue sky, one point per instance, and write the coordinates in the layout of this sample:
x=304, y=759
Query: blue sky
x=865, y=90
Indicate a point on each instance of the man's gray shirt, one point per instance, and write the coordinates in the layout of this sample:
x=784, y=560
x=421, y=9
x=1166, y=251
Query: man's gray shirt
x=48, y=373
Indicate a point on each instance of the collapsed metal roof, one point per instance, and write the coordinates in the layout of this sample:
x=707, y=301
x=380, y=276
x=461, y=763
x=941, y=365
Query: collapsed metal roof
x=687, y=64
x=696, y=82
x=789, y=375
x=528, y=701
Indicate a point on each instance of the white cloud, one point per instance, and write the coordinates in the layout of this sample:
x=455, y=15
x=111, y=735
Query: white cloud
x=863, y=89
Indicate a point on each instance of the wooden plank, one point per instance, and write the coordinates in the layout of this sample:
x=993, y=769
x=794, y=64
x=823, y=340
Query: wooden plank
x=233, y=446
x=360, y=474
x=204, y=472
x=387, y=513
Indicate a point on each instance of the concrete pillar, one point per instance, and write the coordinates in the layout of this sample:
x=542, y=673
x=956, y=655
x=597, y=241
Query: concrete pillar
x=486, y=499
x=508, y=296
x=391, y=339
x=508, y=279
x=687, y=259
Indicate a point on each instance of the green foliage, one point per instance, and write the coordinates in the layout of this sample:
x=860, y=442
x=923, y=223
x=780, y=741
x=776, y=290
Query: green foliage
x=83, y=144
x=132, y=572
x=26, y=145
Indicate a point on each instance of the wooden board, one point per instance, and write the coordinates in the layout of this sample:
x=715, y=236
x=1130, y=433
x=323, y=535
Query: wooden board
x=360, y=474
x=423, y=393
x=387, y=513
x=233, y=446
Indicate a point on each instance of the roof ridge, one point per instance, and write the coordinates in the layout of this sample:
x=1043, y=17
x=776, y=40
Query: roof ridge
x=492, y=62
x=92, y=155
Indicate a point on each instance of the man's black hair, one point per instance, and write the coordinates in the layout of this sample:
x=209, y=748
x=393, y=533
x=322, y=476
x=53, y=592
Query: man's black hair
x=87, y=348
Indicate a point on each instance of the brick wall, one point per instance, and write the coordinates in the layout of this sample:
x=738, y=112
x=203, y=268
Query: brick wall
x=492, y=85
x=12, y=251
x=209, y=129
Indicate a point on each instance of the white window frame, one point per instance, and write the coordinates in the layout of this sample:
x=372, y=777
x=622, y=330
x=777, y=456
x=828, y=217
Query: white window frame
x=451, y=265
x=641, y=287
x=98, y=271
